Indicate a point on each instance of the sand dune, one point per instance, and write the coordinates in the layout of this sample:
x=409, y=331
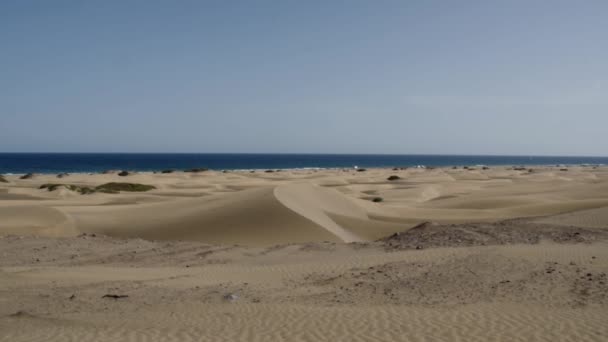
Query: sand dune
x=252, y=216
x=35, y=220
x=595, y=218
x=297, y=205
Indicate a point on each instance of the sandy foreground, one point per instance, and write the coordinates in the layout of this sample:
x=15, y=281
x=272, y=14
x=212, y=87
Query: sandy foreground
x=306, y=255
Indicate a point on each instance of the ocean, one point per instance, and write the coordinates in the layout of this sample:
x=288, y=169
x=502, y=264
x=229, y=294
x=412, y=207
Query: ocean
x=96, y=162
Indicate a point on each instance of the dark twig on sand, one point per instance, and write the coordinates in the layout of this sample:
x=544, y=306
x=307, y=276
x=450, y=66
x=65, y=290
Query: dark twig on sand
x=114, y=296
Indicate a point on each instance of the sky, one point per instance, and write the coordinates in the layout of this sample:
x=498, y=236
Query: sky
x=398, y=77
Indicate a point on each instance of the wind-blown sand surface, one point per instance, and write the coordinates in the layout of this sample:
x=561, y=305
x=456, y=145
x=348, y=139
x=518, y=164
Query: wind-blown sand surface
x=305, y=255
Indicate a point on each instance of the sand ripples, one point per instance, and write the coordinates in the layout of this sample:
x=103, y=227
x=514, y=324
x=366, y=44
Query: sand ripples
x=303, y=323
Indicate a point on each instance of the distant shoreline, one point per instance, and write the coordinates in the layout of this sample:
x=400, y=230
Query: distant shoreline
x=386, y=168
x=49, y=163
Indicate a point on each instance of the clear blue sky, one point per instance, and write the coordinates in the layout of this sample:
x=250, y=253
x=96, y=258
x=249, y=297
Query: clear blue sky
x=441, y=77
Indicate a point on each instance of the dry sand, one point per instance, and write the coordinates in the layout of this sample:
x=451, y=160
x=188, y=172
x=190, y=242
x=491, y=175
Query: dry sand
x=305, y=255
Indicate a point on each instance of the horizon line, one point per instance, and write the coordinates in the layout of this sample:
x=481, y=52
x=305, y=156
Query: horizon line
x=329, y=154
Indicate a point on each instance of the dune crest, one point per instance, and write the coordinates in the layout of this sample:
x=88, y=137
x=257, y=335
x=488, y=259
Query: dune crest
x=314, y=203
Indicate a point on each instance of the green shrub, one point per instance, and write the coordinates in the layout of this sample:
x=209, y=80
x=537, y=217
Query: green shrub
x=393, y=177
x=108, y=188
x=2, y=179
x=84, y=190
x=377, y=199
x=113, y=187
x=50, y=186
x=199, y=169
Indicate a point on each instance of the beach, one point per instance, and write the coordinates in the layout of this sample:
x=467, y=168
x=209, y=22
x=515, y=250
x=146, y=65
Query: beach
x=342, y=254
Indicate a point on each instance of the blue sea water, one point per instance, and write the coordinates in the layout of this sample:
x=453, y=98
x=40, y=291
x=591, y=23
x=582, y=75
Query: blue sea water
x=96, y=162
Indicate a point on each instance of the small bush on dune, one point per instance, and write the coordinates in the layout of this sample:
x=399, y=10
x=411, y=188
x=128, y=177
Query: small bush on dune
x=198, y=169
x=393, y=178
x=377, y=199
x=167, y=171
x=27, y=176
x=2, y=179
x=77, y=188
x=109, y=188
x=86, y=190
x=50, y=187
x=117, y=187
x=124, y=173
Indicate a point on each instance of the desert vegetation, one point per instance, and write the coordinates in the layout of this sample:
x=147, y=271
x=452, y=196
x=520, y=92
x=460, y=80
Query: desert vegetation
x=109, y=188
